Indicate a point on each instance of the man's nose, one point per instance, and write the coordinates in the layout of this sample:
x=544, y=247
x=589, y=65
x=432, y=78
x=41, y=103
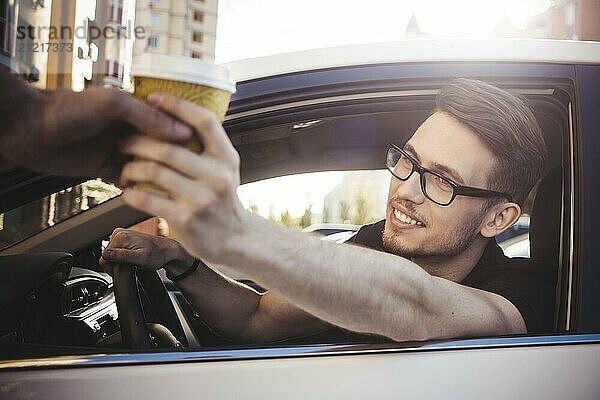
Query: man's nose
x=410, y=189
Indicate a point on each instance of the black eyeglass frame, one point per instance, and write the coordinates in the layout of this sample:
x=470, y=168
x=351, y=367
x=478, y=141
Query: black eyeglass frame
x=457, y=190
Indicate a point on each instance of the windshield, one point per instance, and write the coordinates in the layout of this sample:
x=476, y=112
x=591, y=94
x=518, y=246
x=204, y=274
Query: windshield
x=36, y=216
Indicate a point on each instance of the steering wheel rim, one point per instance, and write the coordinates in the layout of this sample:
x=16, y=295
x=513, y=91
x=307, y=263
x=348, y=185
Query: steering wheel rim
x=134, y=331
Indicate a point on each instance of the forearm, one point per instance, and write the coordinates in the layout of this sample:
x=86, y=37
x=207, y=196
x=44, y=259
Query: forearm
x=356, y=288
x=238, y=312
x=223, y=304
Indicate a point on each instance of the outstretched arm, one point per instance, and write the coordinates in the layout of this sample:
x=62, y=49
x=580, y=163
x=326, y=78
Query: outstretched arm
x=358, y=289
x=70, y=133
x=232, y=309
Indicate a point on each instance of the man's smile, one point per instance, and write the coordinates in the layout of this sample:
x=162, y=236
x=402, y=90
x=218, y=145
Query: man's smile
x=403, y=219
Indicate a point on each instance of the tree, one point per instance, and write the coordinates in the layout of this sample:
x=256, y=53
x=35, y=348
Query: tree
x=344, y=211
x=326, y=214
x=362, y=208
x=306, y=218
x=272, y=214
x=285, y=218
x=253, y=208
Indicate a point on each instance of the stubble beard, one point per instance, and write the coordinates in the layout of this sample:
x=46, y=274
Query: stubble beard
x=448, y=244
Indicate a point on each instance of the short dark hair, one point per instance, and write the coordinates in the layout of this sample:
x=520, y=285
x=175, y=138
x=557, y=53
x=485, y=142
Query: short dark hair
x=507, y=126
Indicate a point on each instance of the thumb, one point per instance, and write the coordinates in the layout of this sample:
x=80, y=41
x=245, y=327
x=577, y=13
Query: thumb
x=106, y=266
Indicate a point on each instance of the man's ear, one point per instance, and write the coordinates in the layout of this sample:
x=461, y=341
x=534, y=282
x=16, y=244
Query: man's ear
x=499, y=218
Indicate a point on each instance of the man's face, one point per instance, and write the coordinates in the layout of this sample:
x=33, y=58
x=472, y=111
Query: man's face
x=444, y=145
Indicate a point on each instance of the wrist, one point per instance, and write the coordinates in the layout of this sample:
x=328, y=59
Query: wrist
x=179, y=259
x=182, y=275
x=242, y=241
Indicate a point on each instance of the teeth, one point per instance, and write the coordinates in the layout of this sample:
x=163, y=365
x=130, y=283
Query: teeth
x=405, y=218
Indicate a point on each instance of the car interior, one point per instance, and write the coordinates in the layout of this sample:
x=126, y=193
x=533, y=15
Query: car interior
x=55, y=299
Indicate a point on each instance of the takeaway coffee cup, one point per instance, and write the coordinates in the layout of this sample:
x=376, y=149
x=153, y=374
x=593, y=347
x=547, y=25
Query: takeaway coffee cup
x=201, y=82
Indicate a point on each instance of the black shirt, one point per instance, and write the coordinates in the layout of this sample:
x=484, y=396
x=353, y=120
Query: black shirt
x=529, y=286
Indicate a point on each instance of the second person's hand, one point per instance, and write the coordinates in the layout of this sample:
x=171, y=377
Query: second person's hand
x=149, y=252
x=199, y=200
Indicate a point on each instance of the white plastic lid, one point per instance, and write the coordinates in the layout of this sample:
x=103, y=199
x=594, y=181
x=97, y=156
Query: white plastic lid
x=184, y=69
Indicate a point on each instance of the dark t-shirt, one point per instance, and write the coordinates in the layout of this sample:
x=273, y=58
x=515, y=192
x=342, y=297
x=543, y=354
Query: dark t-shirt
x=525, y=283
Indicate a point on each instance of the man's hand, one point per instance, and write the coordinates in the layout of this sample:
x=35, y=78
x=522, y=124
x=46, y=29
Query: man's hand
x=202, y=206
x=143, y=250
x=75, y=134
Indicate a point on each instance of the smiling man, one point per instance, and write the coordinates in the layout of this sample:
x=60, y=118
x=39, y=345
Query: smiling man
x=430, y=270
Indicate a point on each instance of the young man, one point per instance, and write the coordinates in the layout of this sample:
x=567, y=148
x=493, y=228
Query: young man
x=433, y=270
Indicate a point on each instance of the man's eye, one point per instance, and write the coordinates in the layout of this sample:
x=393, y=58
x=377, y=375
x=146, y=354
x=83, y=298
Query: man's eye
x=405, y=163
x=442, y=184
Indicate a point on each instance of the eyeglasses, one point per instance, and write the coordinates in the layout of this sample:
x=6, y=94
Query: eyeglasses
x=435, y=187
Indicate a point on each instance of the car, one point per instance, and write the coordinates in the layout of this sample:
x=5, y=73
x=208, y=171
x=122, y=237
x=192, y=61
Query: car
x=64, y=335
x=327, y=229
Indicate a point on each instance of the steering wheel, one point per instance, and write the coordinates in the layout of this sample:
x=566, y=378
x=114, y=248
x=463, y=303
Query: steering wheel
x=136, y=333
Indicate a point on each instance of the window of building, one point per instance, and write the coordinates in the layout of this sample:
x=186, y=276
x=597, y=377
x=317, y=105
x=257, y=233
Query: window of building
x=195, y=54
x=114, y=69
x=198, y=16
x=115, y=11
x=7, y=20
x=197, y=37
x=153, y=41
x=24, y=48
x=153, y=20
x=153, y=3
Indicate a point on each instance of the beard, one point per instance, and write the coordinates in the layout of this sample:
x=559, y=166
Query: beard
x=451, y=242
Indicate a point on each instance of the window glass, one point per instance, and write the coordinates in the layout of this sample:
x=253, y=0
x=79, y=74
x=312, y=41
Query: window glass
x=31, y=218
x=153, y=41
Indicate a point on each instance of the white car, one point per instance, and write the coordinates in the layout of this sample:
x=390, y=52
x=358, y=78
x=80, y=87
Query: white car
x=60, y=336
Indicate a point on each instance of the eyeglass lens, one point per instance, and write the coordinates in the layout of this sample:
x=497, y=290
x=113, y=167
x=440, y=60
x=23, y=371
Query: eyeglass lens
x=435, y=187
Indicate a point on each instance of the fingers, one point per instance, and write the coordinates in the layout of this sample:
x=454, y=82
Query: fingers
x=152, y=172
x=207, y=127
x=151, y=203
x=177, y=157
x=123, y=256
x=152, y=121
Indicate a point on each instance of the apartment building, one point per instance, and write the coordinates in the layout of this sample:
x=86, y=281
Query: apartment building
x=16, y=50
x=115, y=19
x=178, y=27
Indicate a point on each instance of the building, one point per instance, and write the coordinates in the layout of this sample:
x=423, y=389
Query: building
x=567, y=19
x=16, y=44
x=178, y=27
x=112, y=32
x=47, y=41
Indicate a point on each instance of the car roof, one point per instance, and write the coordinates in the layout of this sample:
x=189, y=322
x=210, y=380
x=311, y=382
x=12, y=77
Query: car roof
x=420, y=50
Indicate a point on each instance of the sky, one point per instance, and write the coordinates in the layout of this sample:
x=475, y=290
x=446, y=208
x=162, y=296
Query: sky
x=253, y=28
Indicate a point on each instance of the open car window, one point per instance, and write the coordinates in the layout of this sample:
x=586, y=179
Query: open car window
x=335, y=204
x=310, y=201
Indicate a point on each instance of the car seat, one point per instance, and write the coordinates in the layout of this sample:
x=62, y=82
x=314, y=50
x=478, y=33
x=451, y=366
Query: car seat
x=545, y=229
